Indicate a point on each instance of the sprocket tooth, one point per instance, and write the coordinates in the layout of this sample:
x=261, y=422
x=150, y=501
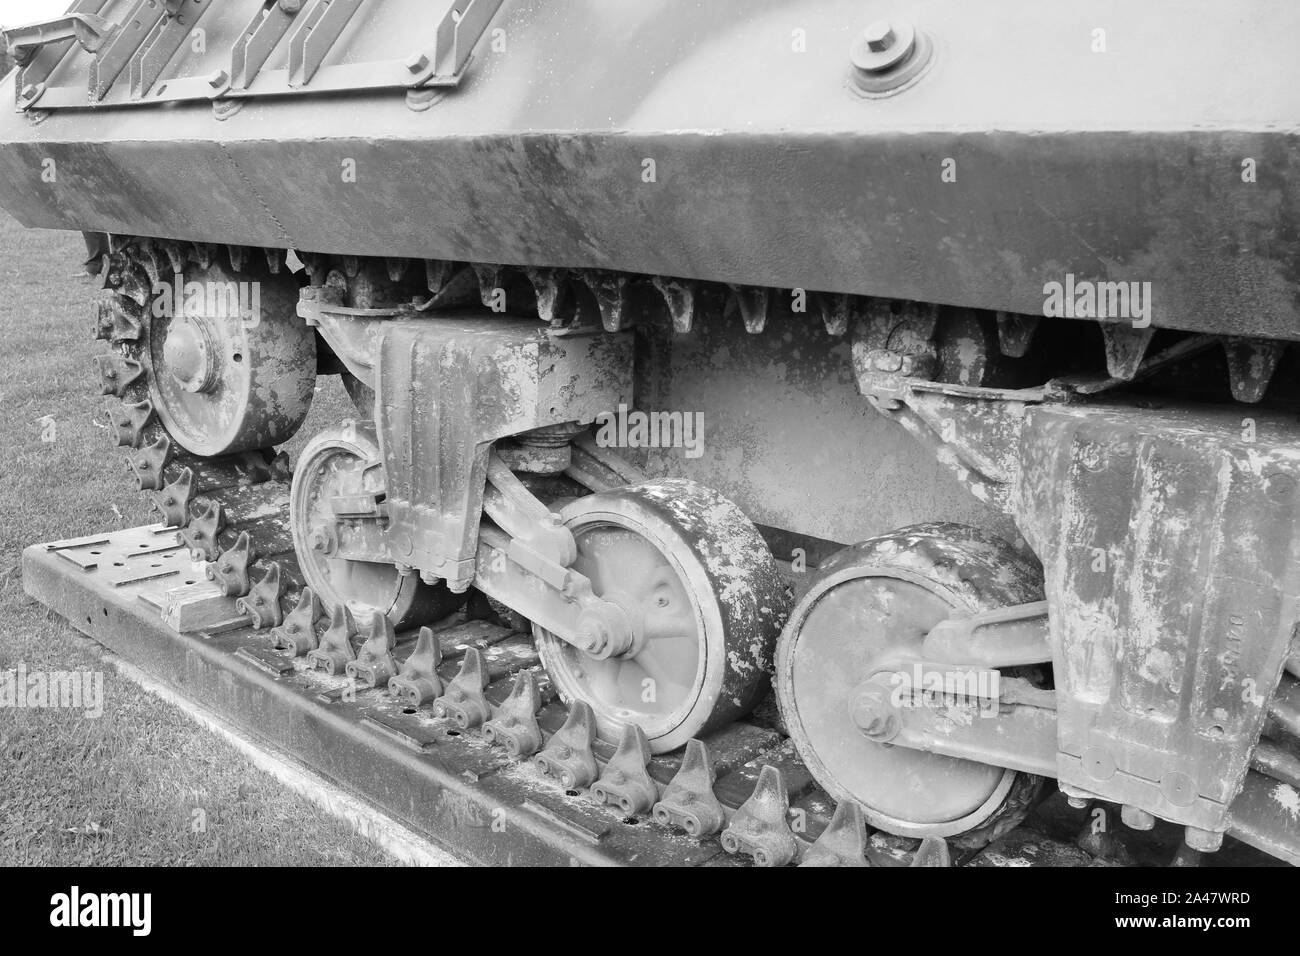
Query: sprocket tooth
x=613, y=294
x=680, y=297
x=117, y=318
x=335, y=649
x=262, y=602
x=297, y=634
x=117, y=373
x=760, y=827
x=626, y=783
x=1126, y=347
x=205, y=253
x=230, y=571
x=274, y=260
x=237, y=256
x=568, y=756
x=490, y=279
x=418, y=681
x=933, y=851
x=172, y=502
x=689, y=802
x=554, y=298
x=149, y=462
x=514, y=722
x=464, y=700
x=200, y=535
x=351, y=266
x=375, y=665
x=130, y=422
x=843, y=842
x=1251, y=364
x=836, y=310
x=755, y=304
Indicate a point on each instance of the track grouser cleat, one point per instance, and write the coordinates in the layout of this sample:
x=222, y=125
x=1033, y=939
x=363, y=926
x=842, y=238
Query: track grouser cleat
x=689, y=801
x=760, y=828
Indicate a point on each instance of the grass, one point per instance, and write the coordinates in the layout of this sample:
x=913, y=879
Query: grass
x=134, y=785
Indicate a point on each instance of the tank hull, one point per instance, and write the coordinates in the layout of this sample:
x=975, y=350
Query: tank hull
x=767, y=168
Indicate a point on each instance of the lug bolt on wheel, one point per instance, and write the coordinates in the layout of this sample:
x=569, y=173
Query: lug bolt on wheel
x=322, y=540
x=874, y=716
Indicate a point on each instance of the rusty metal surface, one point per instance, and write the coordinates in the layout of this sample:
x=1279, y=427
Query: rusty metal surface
x=1061, y=169
x=1169, y=544
x=1166, y=534
x=449, y=387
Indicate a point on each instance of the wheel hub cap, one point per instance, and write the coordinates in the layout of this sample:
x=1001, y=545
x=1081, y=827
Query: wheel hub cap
x=192, y=356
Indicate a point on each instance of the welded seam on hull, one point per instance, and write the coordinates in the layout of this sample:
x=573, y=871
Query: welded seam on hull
x=285, y=239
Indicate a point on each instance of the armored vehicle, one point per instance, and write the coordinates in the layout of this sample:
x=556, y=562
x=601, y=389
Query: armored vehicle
x=913, y=379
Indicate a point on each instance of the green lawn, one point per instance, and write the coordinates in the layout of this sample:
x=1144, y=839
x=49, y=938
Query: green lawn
x=123, y=788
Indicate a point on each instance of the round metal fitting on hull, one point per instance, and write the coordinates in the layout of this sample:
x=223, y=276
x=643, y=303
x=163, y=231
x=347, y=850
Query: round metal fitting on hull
x=704, y=601
x=889, y=56
x=873, y=604
x=344, y=461
x=232, y=367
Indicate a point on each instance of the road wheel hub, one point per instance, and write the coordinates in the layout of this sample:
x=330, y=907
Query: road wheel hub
x=192, y=355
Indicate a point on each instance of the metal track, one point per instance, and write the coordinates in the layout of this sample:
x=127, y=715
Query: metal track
x=452, y=785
